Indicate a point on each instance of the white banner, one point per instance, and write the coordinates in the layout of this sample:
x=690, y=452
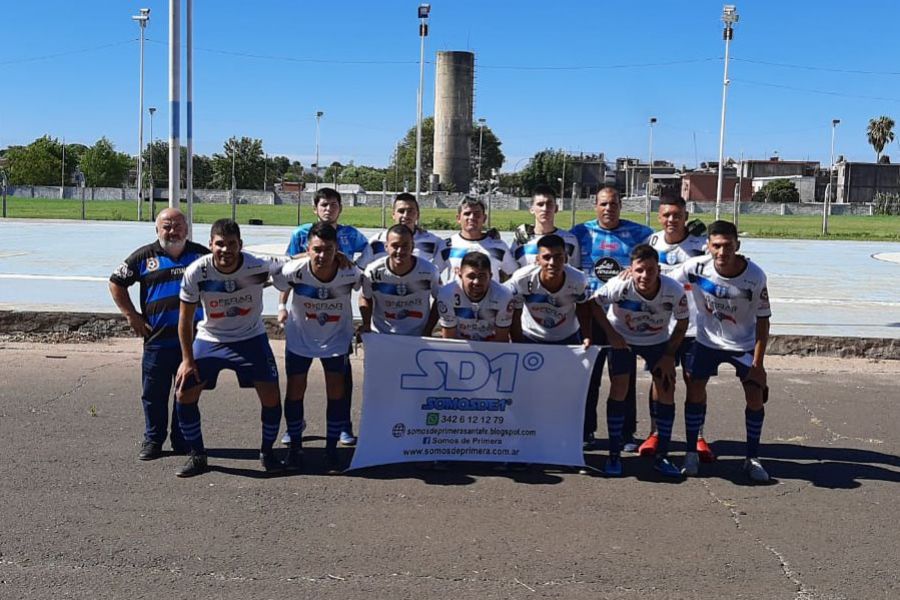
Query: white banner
x=427, y=399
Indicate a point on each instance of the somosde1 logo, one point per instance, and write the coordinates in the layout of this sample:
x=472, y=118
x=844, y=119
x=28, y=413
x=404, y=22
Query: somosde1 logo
x=468, y=371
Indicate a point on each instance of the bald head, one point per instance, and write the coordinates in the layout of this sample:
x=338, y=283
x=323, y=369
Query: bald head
x=171, y=231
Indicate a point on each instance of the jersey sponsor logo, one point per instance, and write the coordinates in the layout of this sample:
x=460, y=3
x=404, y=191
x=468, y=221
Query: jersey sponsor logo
x=231, y=311
x=609, y=246
x=152, y=264
x=322, y=317
x=403, y=314
x=123, y=271
x=606, y=268
x=640, y=325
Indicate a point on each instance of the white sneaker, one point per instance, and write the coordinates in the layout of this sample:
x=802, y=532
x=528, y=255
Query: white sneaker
x=347, y=439
x=691, y=465
x=286, y=438
x=755, y=471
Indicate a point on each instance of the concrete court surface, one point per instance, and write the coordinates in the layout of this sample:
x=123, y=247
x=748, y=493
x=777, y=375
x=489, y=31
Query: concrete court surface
x=832, y=288
x=81, y=517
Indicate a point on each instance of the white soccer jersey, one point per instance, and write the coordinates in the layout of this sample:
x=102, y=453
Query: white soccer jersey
x=548, y=316
x=672, y=255
x=642, y=321
x=320, y=319
x=401, y=303
x=525, y=254
x=456, y=247
x=425, y=245
x=232, y=302
x=727, y=307
x=475, y=320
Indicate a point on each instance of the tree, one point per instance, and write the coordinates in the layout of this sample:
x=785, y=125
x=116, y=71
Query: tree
x=778, y=191
x=203, y=171
x=38, y=163
x=103, y=166
x=880, y=133
x=331, y=174
x=249, y=164
x=403, y=164
x=546, y=168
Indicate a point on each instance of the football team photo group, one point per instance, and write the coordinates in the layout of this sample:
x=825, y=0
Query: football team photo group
x=682, y=298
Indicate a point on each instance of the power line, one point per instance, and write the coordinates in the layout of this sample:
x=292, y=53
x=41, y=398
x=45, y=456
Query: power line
x=815, y=68
x=814, y=91
x=18, y=61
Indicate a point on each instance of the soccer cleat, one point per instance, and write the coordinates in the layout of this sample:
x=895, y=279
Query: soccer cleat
x=691, y=465
x=589, y=442
x=270, y=463
x=666, y=468
x=648, y=448
x=332, y=463
x=347, y=439
x=705, y=452
x=294, y=459
x=195, y=465
x=150, y=450
x=755, y=471
x=613, y=467
x=286, y=438
x=630, y=446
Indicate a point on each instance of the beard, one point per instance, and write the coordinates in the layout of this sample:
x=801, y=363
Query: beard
x=172, y=247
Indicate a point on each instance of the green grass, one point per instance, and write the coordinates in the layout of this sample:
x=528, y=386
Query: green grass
x=879, y=228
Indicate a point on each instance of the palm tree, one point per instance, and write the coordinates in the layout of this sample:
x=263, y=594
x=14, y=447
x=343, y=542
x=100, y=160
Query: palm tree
x=880, y=134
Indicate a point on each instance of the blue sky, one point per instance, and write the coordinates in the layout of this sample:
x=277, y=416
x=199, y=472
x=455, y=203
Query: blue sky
x=585, y=76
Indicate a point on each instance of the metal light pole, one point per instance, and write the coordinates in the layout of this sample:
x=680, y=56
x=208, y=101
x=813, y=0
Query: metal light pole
x=424, y=9
x=174, y=103
x=480, y=148
x=141, y=19
x=738, y=191
x=729, y=17
x=319, y=115
x=189, y=82
x=649, y=173
x=62, y=174
x=152, y=111
x=233, y=185
x=832, y=182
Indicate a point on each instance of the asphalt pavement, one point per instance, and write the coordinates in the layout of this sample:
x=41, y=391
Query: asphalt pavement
x=83, y=518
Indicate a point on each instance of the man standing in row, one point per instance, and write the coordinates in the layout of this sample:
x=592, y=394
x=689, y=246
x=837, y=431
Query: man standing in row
x=159, y=268
x=351, y=242
x=470, y=214
x=606, y=243
x=405, y=212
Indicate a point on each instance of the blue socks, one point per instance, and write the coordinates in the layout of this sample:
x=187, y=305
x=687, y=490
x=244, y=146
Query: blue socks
x=615, y=421
x=293, y=416
x=694, y=418
x=189, y=419
x=754, y=421
x=665, y=419
x=337, y=419
x=271, y=419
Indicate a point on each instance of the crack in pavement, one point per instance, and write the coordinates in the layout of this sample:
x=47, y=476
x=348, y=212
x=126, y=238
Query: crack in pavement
x=79, y=383
x=835, y=436
x=802, y=592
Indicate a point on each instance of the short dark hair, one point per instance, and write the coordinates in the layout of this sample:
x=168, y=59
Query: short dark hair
x=324, y=231
x=722, y=228
x=326, y=193
x=608, y=189
x=399, y=229
x=542, y=189
x=406, y=197
x=551, y=242
x=476, y=260
x=223, y=228
x=644, y=252
x=673, y=200
x=470, y=201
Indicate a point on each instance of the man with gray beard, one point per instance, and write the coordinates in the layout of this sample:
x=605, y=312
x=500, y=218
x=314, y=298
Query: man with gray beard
x=159, y=268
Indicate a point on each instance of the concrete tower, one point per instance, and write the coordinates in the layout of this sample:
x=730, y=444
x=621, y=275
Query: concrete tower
x=453, y=98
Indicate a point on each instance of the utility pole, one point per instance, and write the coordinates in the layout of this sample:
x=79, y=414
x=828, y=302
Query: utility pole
x=729, y=17
x=424, y=10
x=189, y=81
x=832, y=182
x=142, y=20
x=174, y=103
x=649, y=174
